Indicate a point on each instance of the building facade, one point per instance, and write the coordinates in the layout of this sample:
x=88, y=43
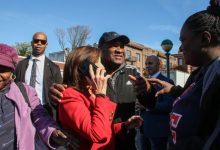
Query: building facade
x=136, y=54
x=181, y=64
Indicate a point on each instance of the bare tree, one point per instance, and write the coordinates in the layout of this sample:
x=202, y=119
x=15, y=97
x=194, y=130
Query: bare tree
x=60, y=34
x=77, y=35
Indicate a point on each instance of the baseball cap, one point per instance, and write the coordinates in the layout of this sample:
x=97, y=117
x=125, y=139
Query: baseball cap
x=8, y=56
x=110, y=36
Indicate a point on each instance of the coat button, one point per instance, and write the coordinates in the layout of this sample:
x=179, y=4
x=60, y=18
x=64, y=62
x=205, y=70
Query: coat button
x=111, y=116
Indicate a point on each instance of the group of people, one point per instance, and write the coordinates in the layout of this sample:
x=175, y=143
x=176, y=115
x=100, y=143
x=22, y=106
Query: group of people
x=103, y=103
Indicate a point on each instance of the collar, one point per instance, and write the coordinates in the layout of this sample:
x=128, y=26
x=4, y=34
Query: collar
x=202, y=70
x=155, y=75
x=40, y=58
x=122, y=66
x=119, y=69
x=5, y=89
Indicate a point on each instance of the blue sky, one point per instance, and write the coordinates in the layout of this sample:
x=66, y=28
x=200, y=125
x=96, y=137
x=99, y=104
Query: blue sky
x=147, y=22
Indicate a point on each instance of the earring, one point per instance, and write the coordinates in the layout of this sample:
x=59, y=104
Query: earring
x=13, y=77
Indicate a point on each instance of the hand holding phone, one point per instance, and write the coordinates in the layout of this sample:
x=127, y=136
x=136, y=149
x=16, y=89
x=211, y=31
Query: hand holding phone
x=84, y=67
x=99, y=79
x=97, y=75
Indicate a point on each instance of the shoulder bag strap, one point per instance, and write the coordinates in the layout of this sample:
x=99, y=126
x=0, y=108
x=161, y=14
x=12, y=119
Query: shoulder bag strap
x=23, y=92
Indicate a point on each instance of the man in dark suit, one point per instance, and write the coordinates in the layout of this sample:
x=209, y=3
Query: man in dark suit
x=40, y=72
x=156, y=119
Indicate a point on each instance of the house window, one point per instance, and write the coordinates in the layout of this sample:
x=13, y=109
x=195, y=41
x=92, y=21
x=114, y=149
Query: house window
x=145, y=57
x=138, y=56
x=180, y=61
x=164, y=63
x=128, y=54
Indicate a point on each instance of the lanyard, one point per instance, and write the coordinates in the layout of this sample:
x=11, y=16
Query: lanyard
x=185, y=91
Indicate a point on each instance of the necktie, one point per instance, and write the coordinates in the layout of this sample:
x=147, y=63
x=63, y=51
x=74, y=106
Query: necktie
x=33, y=73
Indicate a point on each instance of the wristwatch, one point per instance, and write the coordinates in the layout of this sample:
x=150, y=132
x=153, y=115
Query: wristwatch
x=100, y=95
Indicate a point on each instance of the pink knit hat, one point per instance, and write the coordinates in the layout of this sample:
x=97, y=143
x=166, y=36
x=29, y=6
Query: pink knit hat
x=8, y=56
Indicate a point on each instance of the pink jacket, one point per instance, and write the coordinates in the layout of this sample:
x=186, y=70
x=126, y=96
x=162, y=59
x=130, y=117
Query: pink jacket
x=25, y=129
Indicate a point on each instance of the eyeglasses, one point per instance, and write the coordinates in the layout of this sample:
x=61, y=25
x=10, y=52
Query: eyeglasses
x=36, y=41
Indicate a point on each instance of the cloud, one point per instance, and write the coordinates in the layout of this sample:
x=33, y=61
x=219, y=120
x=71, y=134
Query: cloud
x=181, y=8
x=171, y=7
x=32, y=20
x=18, y=18
x=169, y=28
x=9, y=16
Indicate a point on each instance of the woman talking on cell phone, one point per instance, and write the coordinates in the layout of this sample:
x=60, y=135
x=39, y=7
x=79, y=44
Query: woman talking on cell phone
x=85, y=110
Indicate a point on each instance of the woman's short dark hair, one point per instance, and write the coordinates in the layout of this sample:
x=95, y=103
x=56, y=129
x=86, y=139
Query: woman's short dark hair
x=71, y=75
x=207, y=20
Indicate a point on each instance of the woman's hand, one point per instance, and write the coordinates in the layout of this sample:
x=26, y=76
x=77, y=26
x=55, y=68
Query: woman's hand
x=99, y=80
x=63, y=138
x=166, y=87
x=133, y=122
x=59, y=137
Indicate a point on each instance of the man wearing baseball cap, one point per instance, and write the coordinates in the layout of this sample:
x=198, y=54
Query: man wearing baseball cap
x=120, y=89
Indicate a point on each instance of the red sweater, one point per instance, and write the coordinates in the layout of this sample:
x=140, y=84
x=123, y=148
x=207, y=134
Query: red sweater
x=89, y=119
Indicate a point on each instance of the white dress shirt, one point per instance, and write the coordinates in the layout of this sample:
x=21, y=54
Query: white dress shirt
x=39, y=73
x=154, y=75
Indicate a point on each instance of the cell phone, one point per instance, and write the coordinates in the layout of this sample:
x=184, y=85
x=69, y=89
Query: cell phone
x=84, y=67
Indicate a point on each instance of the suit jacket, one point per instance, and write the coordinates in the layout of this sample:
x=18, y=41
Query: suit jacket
x=51, y=75
x=89, y=119
x=156, y=118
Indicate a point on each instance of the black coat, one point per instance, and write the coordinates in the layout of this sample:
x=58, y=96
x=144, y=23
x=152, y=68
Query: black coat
x=156, y=119
x=51, y=75
x=120, y=90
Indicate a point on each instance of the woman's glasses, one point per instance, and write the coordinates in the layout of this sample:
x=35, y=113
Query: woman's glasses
x=36, y=41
